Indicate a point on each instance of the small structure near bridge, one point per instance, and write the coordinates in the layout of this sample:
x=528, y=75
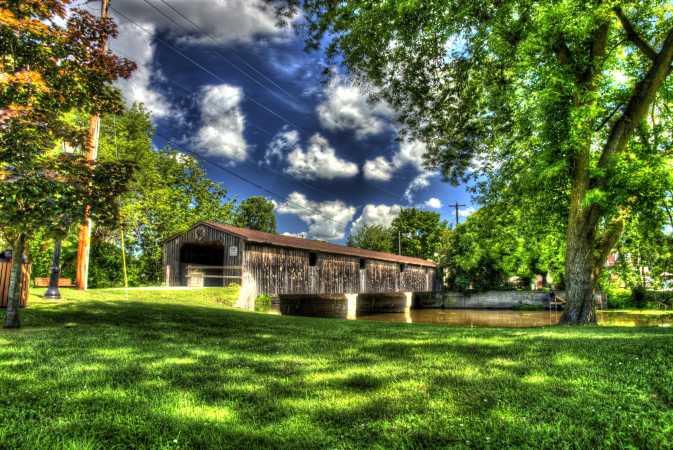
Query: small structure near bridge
x=5, y=276
x=312, y=277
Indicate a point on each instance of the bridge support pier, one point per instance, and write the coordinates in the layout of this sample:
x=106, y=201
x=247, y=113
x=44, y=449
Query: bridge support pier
x=347, y=306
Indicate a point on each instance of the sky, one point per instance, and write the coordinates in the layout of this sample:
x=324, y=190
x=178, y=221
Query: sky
x=224, y=82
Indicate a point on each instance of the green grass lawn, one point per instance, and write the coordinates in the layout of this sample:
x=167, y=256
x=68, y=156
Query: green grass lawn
x=183, y=370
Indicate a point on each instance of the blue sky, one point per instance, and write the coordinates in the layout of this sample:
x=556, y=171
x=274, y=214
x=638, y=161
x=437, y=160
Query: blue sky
x=223, y=81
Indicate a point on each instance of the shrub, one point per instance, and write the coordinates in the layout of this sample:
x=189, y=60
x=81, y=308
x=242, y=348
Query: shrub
x=658, y=299
x=263, y=303
x=619, y=298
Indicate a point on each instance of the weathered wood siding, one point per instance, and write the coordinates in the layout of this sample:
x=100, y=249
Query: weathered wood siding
x=382, y=277
x=175, y=269
x=278, y=270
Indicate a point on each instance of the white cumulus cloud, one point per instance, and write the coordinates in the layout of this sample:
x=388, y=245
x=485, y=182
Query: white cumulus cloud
x=222, y=122
x=466, y=212
x=409, y=153
x=433, y=203
x=421, y=182
x=376, y=215
x=135, y=45
x=282, y=143
x=301, y=234
x=218, y=22
x=318, y=161
x=378, y=169
x=326, y=220
x=346, y=107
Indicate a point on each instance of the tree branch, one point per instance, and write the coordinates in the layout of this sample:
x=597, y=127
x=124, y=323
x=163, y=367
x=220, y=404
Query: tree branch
x=641, y=99
x=633, y=36
x=562, y=51
x=608, y=241
x=607, y=119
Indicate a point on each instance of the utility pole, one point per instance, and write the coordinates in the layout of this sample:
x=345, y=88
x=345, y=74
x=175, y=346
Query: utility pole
x=457, y=207
x=84, y=244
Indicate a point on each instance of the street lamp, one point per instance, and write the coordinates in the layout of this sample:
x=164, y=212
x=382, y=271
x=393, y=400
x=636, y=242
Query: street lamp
x=53, y=293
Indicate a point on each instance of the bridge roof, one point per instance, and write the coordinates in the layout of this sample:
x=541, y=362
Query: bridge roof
x=261, y=237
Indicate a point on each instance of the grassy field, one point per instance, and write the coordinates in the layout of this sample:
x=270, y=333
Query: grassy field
x=183, y=370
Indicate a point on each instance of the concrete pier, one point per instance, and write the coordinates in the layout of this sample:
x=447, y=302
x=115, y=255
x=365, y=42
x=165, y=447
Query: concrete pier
x=345, y=306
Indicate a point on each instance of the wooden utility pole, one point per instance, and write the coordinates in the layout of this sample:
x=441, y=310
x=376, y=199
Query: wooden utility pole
x=457, y=206
x=84, y=243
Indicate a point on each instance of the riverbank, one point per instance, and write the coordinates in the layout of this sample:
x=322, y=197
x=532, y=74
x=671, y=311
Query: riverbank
x=152, y=369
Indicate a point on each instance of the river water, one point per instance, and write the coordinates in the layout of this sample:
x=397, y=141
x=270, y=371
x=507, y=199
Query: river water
x=509, y=318
x=514, y=319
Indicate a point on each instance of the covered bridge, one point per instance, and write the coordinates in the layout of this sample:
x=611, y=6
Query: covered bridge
x=212, y=254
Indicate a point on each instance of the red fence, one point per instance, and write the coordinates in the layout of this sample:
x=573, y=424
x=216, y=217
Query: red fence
x=5, y=274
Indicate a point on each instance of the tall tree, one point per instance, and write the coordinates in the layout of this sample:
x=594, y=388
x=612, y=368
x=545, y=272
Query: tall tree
x=256, y=213
x=169, y=192
x=496, y=243
x=46, y=71
x=373, y=237
x=419, y=232
x=549, y=96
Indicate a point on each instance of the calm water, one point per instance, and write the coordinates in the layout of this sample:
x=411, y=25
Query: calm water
x=508, y=318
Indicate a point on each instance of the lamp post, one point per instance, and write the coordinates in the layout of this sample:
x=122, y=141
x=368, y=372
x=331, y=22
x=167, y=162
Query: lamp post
x=53, y=293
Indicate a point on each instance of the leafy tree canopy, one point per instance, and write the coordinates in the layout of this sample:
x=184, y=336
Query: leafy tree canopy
x=493, y=245
x=373, y=237
x=418, y=232
x=47, y=71
x=256, y=213
x=558, y=102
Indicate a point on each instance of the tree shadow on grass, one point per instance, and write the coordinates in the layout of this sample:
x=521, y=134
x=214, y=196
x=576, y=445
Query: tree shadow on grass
x=141, y=374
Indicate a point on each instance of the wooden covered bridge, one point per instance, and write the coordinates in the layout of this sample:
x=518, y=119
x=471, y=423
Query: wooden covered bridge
x=308, y=276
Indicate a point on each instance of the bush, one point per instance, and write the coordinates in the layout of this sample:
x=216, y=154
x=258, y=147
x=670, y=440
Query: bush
x=658, y=299
x=639, y=297
x=263, y=303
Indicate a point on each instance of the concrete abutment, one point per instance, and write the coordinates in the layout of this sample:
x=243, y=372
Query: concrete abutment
x=346, y=306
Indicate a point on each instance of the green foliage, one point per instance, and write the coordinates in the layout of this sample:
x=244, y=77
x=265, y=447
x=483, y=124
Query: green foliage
x=47, y=71
x=169, y=193
x=256, y=213
x=639, y=298
x=565, y=104
x=263, y=303
x=147, y=369
x=619, y=298
x=419, y=232
x=645, y=254
x=374, y=237
x=497, y=243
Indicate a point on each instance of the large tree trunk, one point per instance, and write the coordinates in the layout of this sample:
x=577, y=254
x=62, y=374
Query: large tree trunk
x=12, y=314
x=580, y=245
x=580, y=282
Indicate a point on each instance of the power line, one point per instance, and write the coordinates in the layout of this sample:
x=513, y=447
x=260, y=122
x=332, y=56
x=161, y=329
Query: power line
x=215, y=41
x=197, y=64
x=244, y=179
x=457, y=207
x=205, y=69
